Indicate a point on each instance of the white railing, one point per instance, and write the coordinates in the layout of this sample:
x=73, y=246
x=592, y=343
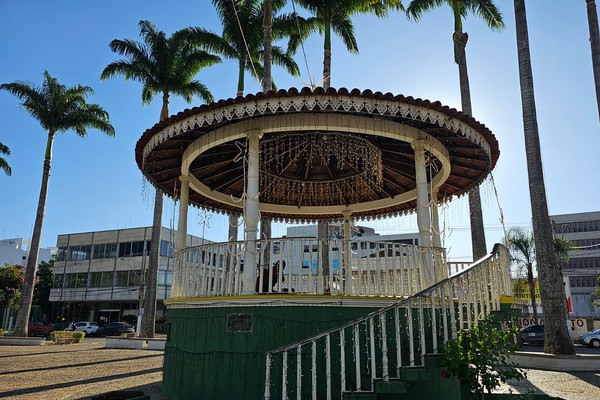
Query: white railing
x=376, y=268
x=382, y=344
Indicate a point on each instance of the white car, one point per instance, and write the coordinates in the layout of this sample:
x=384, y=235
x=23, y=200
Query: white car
x=89, y=328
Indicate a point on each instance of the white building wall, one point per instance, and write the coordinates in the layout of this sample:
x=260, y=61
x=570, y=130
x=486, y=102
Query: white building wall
x=14, y=252
x=583, y=268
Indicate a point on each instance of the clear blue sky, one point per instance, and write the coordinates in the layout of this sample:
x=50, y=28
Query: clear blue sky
x=96, y=185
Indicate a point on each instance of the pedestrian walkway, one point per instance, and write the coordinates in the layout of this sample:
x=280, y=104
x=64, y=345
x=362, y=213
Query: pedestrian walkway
x=77, y=371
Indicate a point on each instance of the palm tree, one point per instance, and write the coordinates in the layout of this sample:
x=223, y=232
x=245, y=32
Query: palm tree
x=335, y=15
x=487, y=10
x=521, y=247
x=3, y=163
x=58, y=109
x=552, y=291
x=595, y=44
x=164, y=65
x=243, y=37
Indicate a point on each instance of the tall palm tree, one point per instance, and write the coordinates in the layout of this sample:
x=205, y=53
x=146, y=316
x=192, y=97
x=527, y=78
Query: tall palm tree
x=486, y=10
x=164, y=65
x=58, y=109
x=552, y=291
x=521, y=247
x=595, y=44
x=335, y=16
x=243, y=37
x=3, y=163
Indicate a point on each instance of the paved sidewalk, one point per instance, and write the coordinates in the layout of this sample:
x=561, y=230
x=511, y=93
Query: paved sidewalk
x=77, y=371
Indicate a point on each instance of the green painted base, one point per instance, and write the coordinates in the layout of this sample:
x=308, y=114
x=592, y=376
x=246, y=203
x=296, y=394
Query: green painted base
x=218, y=352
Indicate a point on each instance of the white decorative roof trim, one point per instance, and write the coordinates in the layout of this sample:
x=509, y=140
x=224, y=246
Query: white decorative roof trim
x=297, y=104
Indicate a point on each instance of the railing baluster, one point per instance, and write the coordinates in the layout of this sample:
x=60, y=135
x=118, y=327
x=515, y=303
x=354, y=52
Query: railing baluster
x=398, y=341
x=328, y=365
x=411, y=338
x=373, y=354
x=422, y=330
x=268, y=376
x=434, y=322
x=342, y=361
x=444, y=311
x=298, y=373
x=385, y=374
x=357, y=355
x=314, y=370
x=284, y=375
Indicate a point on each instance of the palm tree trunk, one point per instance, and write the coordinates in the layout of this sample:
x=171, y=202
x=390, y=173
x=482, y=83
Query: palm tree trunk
x=151, y=278
x=552, y=291
x=478, y=245
x=531, y=283
x=21, y=324
x=241, y=72
x=595, y=44
x=327, y=56
x=267, y=79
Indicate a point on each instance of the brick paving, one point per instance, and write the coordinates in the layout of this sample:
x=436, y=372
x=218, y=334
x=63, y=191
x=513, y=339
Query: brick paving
x=77, y=371
x=82, y=370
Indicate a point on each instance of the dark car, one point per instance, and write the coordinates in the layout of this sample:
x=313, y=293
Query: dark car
x=533, y=334
x=39, y=329
x=114, y=329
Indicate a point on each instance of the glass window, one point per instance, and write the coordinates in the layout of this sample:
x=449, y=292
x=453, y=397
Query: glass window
x=101, y=279
x=166, y=249
x=58, y=281
x=133, y=249
x=77, y=280
x=61, y=255
x=105, y=250
x=128, y=278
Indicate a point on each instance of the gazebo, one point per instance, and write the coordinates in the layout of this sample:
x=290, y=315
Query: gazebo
x=306, y=156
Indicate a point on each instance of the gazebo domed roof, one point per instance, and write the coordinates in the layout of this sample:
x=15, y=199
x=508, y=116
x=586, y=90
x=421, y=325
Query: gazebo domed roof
x=322, y=152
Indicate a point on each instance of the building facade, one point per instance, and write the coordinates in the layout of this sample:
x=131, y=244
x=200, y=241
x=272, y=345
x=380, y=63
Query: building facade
x=15, y=251
x=99, y=276
x=582, y=269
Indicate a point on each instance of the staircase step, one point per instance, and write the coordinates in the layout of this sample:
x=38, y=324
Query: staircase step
x=390, y=387
x=360, y=396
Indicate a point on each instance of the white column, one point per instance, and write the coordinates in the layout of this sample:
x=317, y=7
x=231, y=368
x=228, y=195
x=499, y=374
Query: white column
x=184, y=199
x=347, y=259
x=435, y=219
x=251, y=213
x=423, y=219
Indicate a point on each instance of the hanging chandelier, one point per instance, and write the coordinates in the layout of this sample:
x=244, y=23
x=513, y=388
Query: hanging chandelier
x=319, y=169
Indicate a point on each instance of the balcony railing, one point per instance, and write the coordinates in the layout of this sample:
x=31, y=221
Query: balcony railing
x=376, y=268
x=381, y=345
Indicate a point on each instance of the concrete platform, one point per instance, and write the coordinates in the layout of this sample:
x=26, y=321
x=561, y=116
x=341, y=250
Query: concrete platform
x=21, y=341
x=551, y=362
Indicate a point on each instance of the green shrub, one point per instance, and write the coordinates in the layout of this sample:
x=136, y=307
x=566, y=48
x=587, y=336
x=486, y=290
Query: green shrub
x=64, y=337
x=480, y=357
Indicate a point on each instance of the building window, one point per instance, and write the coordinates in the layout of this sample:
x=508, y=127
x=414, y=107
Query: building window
x=128, y=278
x=58, y=281
x=77, y=280
x=61, y=255
x=133, y=249
x=166, y=249
x=105, y=250
x=78, y=253
x=101, y=279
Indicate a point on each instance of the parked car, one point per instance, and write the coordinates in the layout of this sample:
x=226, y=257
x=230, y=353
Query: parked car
x=533, y=334
x=114, y=329
x=89, y=328
x=39, y=329
x=591, y=339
